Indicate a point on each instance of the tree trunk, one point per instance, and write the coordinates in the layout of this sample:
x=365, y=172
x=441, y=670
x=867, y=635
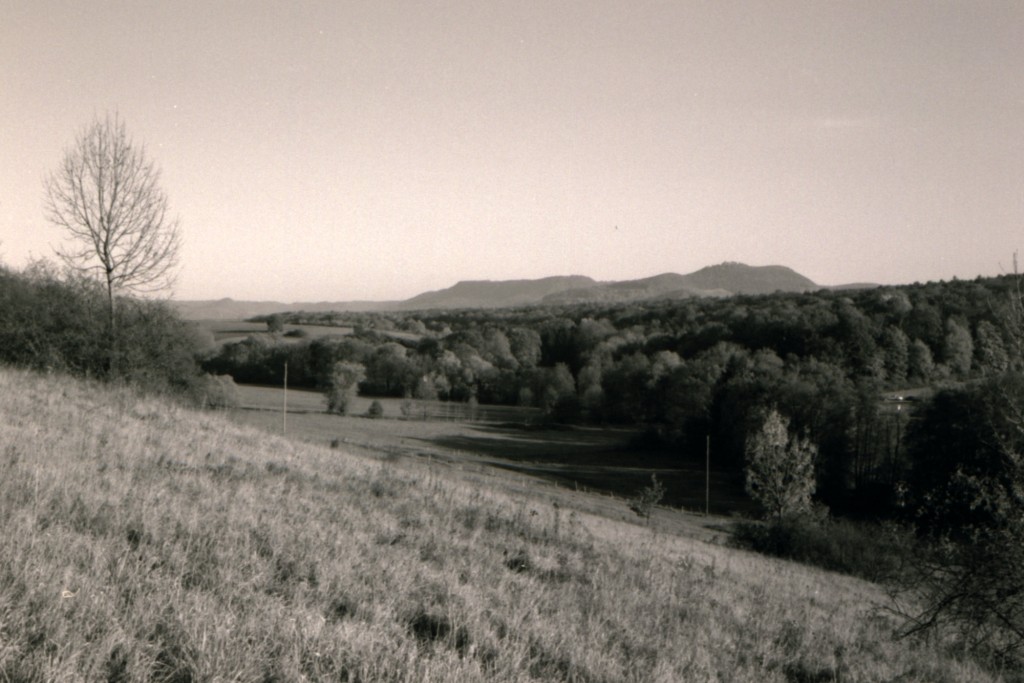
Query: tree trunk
x=111, y=368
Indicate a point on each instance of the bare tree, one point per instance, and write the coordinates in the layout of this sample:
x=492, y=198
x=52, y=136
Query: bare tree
x=647, y=499
x=107, y=198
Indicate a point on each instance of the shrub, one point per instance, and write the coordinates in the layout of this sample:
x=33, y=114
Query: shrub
x=218, y=391
x=376, y=410
x=50, y=324
x=858, y=549
x=156, y=349
x=57, y=321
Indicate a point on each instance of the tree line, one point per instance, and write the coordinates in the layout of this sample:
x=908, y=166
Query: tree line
x=680, y=371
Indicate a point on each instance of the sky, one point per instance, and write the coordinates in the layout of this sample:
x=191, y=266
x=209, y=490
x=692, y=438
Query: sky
x=374, y=150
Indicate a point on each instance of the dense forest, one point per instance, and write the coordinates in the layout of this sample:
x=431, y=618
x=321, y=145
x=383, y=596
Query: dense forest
x=834, y=362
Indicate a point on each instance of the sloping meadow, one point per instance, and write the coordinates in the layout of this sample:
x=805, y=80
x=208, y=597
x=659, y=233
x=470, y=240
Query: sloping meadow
x=144, y=541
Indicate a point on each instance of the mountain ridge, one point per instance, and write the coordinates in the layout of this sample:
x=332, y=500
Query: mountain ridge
x=725, y=279
x=496, y=293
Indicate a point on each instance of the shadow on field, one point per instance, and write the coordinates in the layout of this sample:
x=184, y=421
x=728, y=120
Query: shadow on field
x=598, y=460
x=516, y=442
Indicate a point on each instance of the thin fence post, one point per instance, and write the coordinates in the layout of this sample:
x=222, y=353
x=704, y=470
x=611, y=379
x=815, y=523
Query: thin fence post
x=707, y=475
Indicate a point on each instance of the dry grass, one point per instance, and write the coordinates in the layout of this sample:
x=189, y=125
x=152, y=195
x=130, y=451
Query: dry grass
x=143, y=541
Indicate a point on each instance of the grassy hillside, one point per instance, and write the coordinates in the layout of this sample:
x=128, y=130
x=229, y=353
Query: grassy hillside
x=143, y=541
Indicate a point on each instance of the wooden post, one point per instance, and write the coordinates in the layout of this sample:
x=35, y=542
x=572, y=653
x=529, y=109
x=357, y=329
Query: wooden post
x=284, y=410
x=707, y=475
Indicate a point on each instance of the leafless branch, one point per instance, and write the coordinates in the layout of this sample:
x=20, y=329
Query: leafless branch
x=107, y=198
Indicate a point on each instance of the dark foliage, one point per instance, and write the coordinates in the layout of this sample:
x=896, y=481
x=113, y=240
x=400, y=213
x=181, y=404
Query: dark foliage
x=57, y=322
x=684, y=370
x=856, y=548
x=967, y=502
x=950, y=444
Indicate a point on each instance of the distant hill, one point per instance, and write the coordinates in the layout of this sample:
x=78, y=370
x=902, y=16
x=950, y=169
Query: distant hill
x=667, y=285
x=855, y=285
x=738, y=278
x=229, y=309
x=717, y=281
x=496, y=294
x=725, y=279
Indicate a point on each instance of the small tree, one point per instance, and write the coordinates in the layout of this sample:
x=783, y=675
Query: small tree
x=959, y=349
x=426, y=388
x=218, y=391
x=107, y=198
x=557, y=388
x=645, y=501
x=780, y=468
x=375, y=411
x=343, y=386
x=275, y=323
x=406, y=407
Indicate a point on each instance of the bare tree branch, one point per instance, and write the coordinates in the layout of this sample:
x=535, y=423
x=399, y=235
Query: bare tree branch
x=106, y=196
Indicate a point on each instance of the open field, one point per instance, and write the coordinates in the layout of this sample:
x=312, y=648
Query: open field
x=144, y=541
x=497, y=436
x=225, y=331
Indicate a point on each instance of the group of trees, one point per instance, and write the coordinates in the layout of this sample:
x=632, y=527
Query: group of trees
x=796, y=392
x=85, y=316
x=961, y=493
x=680, y=371
x=964, y=498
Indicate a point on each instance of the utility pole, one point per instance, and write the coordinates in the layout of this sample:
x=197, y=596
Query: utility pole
x=707, y=475
x=284, y=410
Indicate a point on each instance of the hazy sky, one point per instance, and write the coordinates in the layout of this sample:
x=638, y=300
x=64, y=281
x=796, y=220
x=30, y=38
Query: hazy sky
x=374, y=150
